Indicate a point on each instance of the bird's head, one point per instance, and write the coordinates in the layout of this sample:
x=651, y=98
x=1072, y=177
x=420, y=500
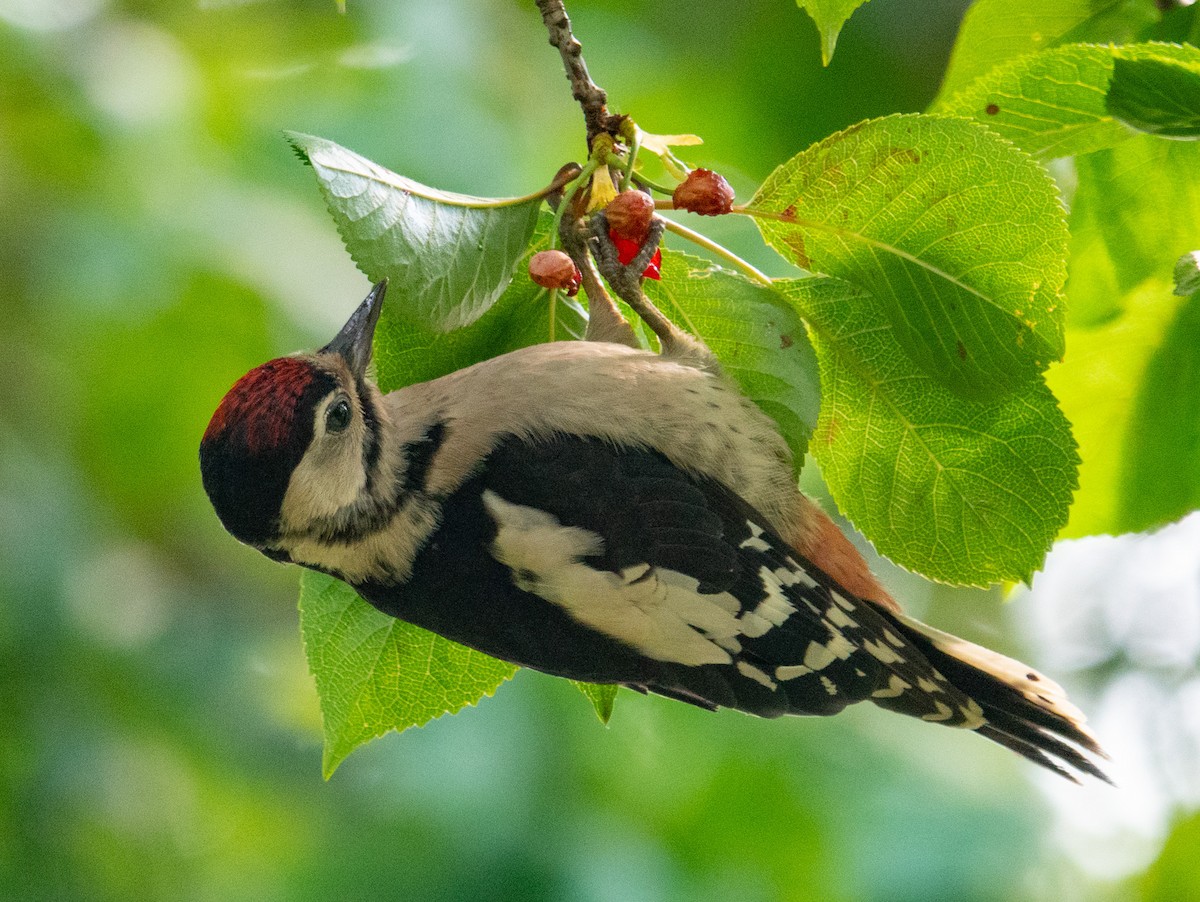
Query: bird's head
x=294, y=439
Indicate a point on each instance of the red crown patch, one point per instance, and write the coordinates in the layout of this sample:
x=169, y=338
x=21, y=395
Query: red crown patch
x=262, y=404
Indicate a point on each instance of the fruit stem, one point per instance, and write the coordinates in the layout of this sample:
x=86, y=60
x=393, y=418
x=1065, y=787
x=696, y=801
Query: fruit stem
x=661, y=189
x=568, y=196
x=630, y=159
x=719, y=250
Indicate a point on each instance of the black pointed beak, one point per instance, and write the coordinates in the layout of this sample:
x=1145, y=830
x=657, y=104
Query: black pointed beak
x=354, y=341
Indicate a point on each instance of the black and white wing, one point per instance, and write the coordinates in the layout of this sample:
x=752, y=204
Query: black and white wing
x=612, y=565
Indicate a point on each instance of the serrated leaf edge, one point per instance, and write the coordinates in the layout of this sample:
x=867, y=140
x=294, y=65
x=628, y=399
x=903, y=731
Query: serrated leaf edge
x=301, y=144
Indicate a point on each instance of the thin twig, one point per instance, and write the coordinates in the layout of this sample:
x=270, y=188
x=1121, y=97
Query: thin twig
x=591, y=96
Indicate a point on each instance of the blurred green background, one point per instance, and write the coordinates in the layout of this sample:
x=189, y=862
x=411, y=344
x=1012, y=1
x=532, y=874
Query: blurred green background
x=159, y=734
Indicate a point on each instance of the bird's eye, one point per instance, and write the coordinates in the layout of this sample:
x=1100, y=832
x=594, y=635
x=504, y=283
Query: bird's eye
x=338, y=416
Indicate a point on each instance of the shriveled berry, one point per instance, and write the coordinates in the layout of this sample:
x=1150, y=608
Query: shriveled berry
x=554, y=269
x=704, y=192
x=630, y=213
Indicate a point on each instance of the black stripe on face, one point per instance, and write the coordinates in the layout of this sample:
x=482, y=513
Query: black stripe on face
x=419, y=455
x=370, y=454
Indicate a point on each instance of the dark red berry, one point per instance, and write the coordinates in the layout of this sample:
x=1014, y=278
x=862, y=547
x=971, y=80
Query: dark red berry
x=554, y=269
x=704, y=192
x=630, y=213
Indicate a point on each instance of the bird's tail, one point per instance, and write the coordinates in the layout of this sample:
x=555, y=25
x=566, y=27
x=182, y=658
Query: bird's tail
x=1022, y=710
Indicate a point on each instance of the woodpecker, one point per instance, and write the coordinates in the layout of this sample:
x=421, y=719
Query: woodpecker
x=604, y=513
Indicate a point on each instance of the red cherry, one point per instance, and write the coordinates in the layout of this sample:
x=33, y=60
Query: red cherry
x=627, y=249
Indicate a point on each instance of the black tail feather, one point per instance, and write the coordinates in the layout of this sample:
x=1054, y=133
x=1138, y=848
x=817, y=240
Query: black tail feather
x=1010, y=730
x=1026, y=750
x=1025, y=711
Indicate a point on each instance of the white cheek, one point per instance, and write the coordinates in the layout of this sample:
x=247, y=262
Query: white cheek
x=328, y=478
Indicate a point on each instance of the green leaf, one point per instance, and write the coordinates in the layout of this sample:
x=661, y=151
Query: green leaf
x=996, y=31
x=759, y=339
x=963, y=491
x=958, y=235
x=1158, y=94
x=1098, y=384
x=1051, y=104
x=1187, y=274
x=829, y=17
x=601, y=696
x=448, y=256
x=375, y=673
x=1124, y=382
x=1061, y=102
x=1161, y=478
x=408, y=352
x=1135, y=210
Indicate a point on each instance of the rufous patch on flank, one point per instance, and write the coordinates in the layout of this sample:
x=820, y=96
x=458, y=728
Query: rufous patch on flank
x=261, y=404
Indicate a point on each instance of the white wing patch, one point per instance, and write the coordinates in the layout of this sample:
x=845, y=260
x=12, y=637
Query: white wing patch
x=885, y=654
x=659, y=612
x=819, y=656
x=747, y=669
x=773, y=610
x=840, y=618
x=943, y=712
x=895, y=688
x=756, y=541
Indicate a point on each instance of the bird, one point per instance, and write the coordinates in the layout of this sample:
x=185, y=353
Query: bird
x=605, y=513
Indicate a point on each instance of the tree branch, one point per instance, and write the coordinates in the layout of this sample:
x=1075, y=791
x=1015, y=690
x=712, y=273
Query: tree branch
x=591, y=96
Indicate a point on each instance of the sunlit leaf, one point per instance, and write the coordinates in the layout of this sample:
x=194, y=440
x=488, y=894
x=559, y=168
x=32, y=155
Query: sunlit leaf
x=376, y=674
x=449, y=256
x=1135, y=210
x=958, y=235
x=1068, y=100
x=963, y=491
x=759, y=339
x=1160, y=481
x=1098, y=384
x=829, y=17
x=1051, y=103
x=1124, y=382
x=996, y=31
